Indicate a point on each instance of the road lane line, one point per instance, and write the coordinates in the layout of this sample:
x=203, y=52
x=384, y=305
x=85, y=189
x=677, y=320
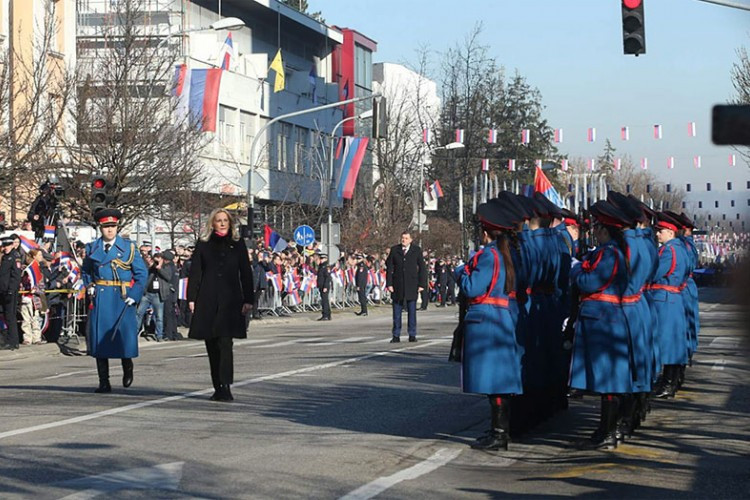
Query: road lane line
x=719, y=364
x=178, y=397
x=724, y=343
x=350, y=340
x=378, y=486
x=290, y=342
x=69, y=374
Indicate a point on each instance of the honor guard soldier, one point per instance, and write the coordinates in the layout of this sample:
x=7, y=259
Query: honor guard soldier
x=116, y=275
x=10, y=281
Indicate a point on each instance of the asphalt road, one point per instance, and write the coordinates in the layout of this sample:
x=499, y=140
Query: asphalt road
x=332, y=410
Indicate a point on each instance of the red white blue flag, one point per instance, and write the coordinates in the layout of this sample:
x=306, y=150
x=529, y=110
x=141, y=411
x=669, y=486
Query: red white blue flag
x=525, y=136
x=426, y=136
x=182, y=289
x=460, y=135
x=355, y=153
x=485, y=165
x=625, y=133
x=644, y=163
x=697, y=161
x=657, y=131
x=732, y=160
x=591, y=134
x=49, y=232
x=492, y=136
x=691, y=129
x=204, y=97
x=34, y=272
x=544, y=186
x=436, y=189
x=558, y=135
x=27, y=244
x=227, y=55
x=670, y=162
x=512, y=165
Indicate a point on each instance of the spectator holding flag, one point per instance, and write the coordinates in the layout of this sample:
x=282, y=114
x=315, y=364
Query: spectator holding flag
x=33, y=301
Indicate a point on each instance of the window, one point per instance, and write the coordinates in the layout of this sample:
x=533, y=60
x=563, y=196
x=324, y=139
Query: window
x=748, y=203
x=666, y=205
x=716, y=204
x=300, y=150
x=700, y=203
x=732, y=203
x=247, y=132
x=669, y=188
x=688, y=188
x=748, y=184
x=282, y=145
x=738, y=217
x=723, y=216
x=683, y=204
x=709, y=216
x=627, y=188
x=729, y=186
x=227, y=119
x=708, y=186
x=648, y=188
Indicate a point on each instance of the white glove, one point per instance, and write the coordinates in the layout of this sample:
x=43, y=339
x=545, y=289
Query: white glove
x=129, y=301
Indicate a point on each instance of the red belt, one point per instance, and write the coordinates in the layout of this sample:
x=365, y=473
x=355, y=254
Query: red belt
x=613, y=299
x=668, y=288
x=493, y=301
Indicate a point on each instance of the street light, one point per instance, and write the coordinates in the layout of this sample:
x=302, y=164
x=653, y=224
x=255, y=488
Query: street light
x=449, y=146
x=228, y=23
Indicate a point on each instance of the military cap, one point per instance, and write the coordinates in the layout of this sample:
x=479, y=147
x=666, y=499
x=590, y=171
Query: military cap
x=510, y=204
x=666, y=221
x=528, y=206
x=550, y=209
x=627, y=206
x=609, y=215
x=650, y=213
x=686, y=221
x=569, y=218
x=323, y=256
x=492, y=216
x=108, y=217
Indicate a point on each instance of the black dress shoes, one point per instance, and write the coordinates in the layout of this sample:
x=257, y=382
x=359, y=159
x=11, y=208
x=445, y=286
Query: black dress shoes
x=412, y=339
x=104, y=387
x=127, y=372
x=395, y=340
x=324, y=318
x=222, y=393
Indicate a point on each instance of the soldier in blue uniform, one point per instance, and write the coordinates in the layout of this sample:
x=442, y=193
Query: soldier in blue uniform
x=668, y=305
x=491, y=357
x=601, y=360
x=115, y=275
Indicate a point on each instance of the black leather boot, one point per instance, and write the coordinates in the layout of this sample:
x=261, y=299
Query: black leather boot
x=127, y=372
x=626, y=418
x=669, y=386
x=604, y=437
x=102, y=368
x=498, y=436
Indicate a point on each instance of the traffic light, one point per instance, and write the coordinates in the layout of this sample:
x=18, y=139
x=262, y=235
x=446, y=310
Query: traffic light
x=99, y=191
x=633, y=28
x=255, y=225
x=379, y=120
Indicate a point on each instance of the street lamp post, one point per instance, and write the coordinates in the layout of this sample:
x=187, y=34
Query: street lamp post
x=449, y=146
x=229, y=23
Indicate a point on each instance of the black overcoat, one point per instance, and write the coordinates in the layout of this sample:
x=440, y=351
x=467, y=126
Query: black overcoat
x=221, y=280
x=405, y=273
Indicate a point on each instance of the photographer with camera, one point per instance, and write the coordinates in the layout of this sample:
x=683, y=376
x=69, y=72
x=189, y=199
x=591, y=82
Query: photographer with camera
x=157, y=292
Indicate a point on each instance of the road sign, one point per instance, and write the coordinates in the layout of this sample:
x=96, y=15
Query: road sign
x=258, y=182
x=304, y=235
x=335, y=236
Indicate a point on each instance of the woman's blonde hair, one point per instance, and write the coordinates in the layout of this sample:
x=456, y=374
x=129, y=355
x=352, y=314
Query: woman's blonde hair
x=31, y=256
x=209, y=228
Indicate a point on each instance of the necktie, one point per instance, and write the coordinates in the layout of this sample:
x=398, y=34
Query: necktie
x=107, y=246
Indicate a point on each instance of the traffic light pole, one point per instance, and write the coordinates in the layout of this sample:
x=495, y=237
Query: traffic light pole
x=261, y=132
x=723, y=3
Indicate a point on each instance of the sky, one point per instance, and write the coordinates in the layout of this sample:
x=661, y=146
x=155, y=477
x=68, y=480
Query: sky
x=572, y=52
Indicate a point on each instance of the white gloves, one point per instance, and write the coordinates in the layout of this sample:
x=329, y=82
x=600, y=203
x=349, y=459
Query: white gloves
x=129, y=301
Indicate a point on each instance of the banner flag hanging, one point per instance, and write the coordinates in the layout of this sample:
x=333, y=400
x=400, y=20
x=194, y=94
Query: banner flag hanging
x=625, y=133
x=691, y=129
x=618, y=163
x=512, y=165
x=558, y=135
x=485, y=165
x=697, y=161
x=492, y=136
x=657, y=131
x=591, y=135
x=644, y=163
x=460, y=135
x=525, y=136
x=564, y=165
x=670, y=162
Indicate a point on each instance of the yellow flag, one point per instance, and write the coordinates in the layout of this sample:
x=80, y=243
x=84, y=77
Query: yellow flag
x=278, y=66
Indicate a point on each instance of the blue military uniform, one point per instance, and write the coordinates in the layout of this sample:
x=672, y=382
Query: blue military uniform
x=114, y=275
x=668, y=304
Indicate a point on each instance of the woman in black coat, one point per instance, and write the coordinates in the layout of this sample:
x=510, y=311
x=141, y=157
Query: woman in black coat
x=220, y=294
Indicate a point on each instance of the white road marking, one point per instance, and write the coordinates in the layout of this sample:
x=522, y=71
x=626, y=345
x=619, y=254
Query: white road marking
x=719, y=364
x=378, y=486
x=199, y=355
x=349, y=340
x=290, y=342
x=161, y=477
x=724, y=343
x=178, y=397
x=69, y=374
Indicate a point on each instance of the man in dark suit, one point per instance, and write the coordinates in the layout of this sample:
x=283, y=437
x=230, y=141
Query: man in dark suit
x=324, y=286
x=361, y=282
x=406, y=276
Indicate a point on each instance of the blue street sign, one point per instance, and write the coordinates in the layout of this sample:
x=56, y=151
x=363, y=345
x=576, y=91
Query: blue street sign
x=304, y=235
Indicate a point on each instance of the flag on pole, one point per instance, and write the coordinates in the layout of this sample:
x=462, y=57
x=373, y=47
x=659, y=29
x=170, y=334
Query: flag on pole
x=670, y=162
x=544, y=186
x=492, y=136
x=49, y=232
x=485, y=165
x=278, y=66
x=227, y=55
x=512, y=165
x=657, y=131
x=350, y=168
x=564, y=165
x=591, y=135
x=525, y=136
x=592, y=164
x=34, y=272
x=436, y=189
x=691, y=129
x=426, y=136
x=460, y=135
x=204, y=97
x=27, y=244
x=697, y=161
x=618, y=163
x=732, y=160
x=181, y=90
x=644, y=163
x=625, y=133
x=558, y=135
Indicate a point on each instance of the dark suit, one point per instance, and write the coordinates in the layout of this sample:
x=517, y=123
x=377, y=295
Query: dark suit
x=405, y=273
x=361, y=282
x=10, y=282
x=324, y=286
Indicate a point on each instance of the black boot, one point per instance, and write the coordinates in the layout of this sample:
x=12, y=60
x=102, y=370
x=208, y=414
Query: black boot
x=102, y=368
x=222, y=393
x=127, y=372
x=669, y=378
x=498, y=436
x=604, y=437
x=680, y=377
x=626, y=418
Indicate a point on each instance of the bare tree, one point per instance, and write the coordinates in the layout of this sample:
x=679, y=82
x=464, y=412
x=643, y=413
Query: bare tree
x=35, y=88
x=741, y=83
x=129, y=125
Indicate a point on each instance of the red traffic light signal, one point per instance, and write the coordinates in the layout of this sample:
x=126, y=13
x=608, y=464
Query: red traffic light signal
x=99, y=183
x=633, y=27
x=99, y=194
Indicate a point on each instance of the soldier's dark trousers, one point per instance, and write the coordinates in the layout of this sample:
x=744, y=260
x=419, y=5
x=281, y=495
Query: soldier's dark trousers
x=325, y=304
x=102, y=367
x=10, y=309
x=170, y=319
x=221, y=360
x=362, y=294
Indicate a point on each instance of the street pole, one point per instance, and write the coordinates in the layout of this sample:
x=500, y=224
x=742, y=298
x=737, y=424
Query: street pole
x=331, y=185
x=251, y=170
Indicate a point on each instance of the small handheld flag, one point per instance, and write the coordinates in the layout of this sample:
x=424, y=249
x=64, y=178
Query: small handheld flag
x=27, y=244
x=182, y=291
x=49, y=232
